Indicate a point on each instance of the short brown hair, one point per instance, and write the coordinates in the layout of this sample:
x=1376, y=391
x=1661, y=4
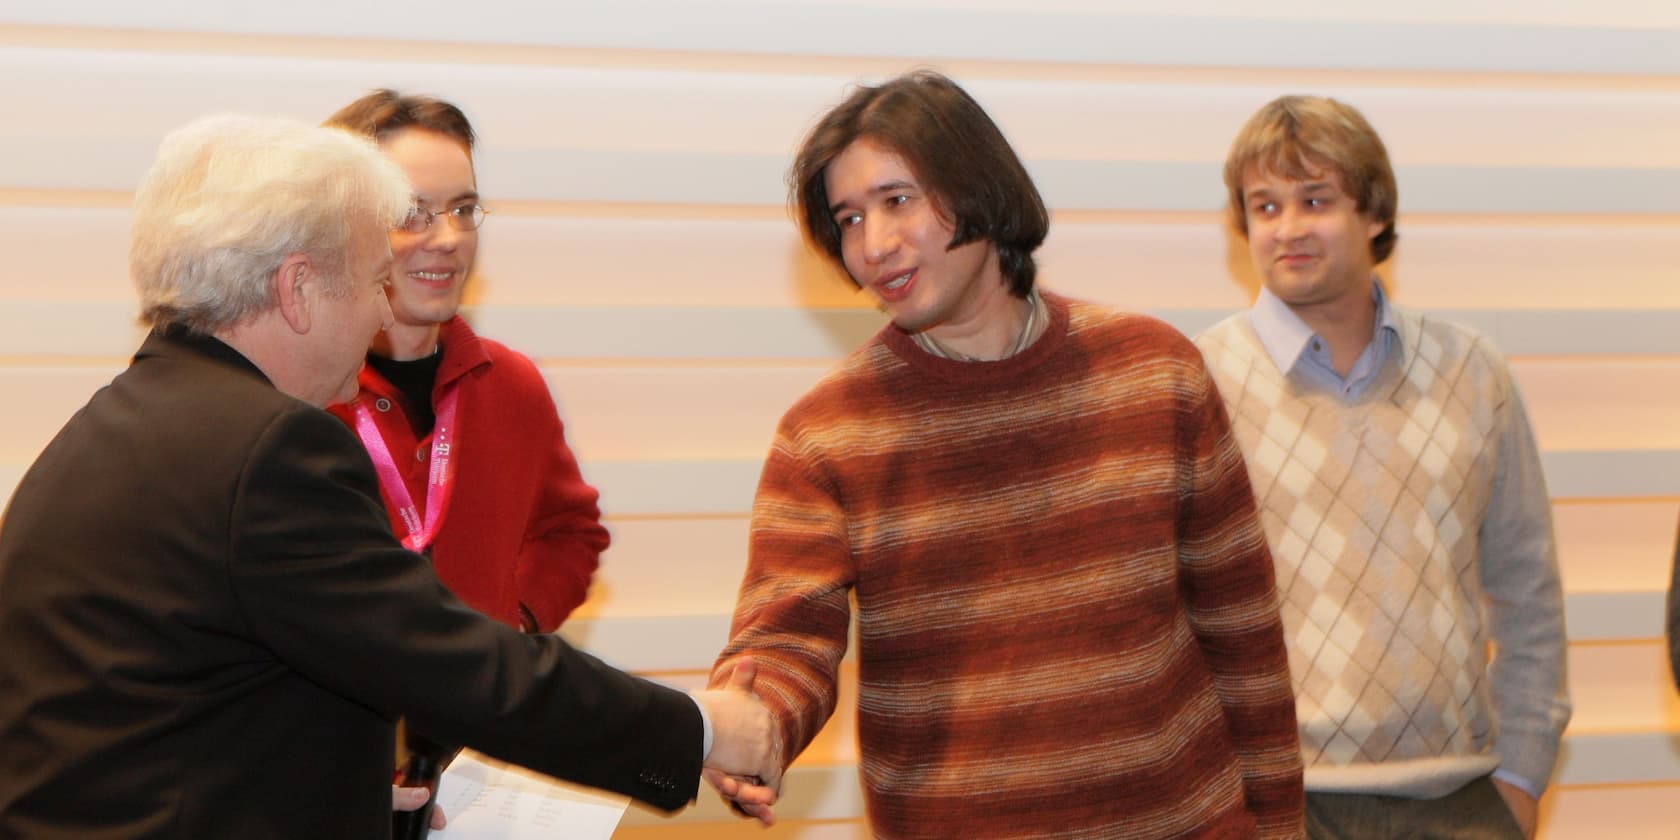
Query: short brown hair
x=384, y=112
x=1298, y=136
x=958, y=155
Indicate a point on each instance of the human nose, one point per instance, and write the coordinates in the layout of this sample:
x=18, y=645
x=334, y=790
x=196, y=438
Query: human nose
x=442, y=235
x=880, y=238
x=1289, y=225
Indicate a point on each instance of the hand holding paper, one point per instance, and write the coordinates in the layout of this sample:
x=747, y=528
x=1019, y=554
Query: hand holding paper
x=411, y=798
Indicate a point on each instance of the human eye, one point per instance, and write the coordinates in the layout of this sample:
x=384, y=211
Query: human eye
x=416, y=221
x=896, y=200
x=848, y=219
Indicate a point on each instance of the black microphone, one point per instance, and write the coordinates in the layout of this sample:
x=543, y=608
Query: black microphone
x=425, y=764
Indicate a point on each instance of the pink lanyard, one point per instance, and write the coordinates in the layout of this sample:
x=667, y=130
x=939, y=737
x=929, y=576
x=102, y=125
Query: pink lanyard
x=438, y=483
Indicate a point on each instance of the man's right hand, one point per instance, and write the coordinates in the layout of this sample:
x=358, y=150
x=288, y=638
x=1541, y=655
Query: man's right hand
x=745, y=763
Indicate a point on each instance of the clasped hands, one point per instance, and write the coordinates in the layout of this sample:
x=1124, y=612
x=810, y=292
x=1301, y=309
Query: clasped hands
x=745, y=764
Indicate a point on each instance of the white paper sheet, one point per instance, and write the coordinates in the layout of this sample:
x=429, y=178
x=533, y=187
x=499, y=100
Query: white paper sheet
x=486, y=799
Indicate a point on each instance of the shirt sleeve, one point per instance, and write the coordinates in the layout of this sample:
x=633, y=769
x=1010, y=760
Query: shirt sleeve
x=794, y=611
x=1519, y=572
x=1231, y=596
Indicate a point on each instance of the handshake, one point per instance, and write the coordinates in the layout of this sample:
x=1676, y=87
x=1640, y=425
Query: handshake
x=744, y=765
x=745, y=762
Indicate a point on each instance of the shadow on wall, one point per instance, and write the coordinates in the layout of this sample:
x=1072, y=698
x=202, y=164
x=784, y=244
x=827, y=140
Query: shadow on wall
x=1238, y=265
x=829, y=301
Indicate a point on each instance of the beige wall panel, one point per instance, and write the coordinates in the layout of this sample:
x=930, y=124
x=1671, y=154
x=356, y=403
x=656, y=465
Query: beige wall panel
x=630, y=135
x=1143, y=265
x=1552, y=264
x=1619, y=687
x=324, y=13
x=40, y=399
x=1615, y=546
x=65, y=253
x=1604, y=403
x=1499, y=39
x=1645, y=812
x=1190, y=122
x=635, y=412
x=606, y=260
x=669, y=566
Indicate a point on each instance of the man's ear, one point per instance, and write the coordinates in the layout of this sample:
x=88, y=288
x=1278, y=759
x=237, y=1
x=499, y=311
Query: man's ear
x=296, y=284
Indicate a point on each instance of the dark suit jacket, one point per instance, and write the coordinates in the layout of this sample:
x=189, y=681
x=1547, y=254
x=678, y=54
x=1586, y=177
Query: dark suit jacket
x=206, y=630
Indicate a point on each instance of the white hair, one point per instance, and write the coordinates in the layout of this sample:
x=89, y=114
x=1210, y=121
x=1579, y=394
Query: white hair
x=230, y=197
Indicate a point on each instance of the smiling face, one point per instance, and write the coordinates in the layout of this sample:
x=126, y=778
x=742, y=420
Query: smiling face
x=429, y=269
x=893, y=240
x=1308, y=239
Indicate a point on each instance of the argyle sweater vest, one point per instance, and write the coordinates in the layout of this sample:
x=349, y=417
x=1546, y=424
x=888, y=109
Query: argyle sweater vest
x=1372, y=510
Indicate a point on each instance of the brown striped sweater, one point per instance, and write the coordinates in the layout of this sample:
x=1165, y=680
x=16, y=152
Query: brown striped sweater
x=1067, y=619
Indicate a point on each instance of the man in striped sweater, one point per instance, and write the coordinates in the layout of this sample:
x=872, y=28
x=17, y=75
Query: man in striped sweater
x=1401, y=492
x=1067, y=617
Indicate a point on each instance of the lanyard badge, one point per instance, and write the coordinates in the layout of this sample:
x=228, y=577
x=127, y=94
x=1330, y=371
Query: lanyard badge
x=439, y=484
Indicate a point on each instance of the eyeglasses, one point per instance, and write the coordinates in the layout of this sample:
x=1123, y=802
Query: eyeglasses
x=463, y=218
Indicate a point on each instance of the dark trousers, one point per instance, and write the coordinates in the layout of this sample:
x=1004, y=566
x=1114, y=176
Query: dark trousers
x=1473, y=812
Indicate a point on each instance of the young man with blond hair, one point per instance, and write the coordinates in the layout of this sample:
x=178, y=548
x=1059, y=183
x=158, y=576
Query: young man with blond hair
x=1400, y=489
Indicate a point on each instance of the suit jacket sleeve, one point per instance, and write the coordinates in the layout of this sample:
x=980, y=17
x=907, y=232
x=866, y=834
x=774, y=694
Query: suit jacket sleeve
x=322, y=582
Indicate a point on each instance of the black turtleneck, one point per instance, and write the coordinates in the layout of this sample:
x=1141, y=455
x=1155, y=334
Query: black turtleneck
x=414, y=379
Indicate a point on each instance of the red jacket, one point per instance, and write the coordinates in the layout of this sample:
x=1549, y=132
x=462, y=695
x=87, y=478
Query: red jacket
x=522, y=526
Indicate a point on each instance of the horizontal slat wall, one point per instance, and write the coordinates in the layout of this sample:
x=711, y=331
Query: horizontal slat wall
x=622, y=413
x=633, y=153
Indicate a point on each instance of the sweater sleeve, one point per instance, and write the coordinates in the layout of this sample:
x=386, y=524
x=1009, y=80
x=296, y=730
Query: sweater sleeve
x=1231, y=596
x=563, y=538
x=1525, y=604
x=794, y=610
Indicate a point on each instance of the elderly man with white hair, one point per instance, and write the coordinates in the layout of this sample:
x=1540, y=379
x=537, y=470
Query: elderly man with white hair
x=208, y=626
